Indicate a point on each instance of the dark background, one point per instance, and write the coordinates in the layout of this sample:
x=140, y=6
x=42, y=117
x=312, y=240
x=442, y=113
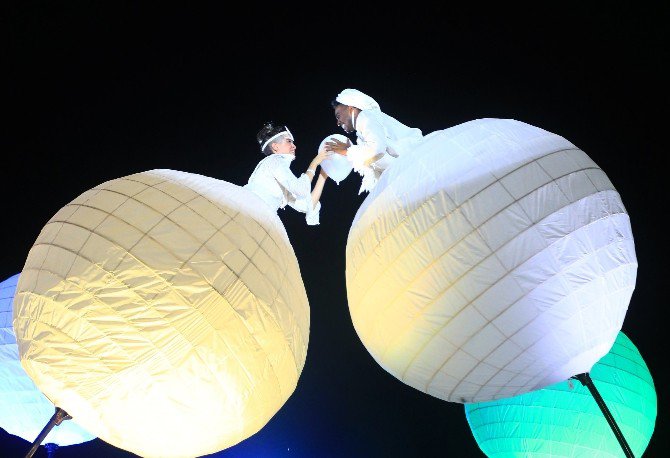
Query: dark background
x=98, y=92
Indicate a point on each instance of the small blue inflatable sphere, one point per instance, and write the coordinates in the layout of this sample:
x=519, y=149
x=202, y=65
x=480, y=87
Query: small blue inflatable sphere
x=24, y=410
x=564, y=420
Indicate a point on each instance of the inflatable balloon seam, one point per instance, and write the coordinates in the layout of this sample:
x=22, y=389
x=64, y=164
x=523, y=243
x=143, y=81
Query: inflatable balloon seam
x=379, y=190
x=166, y=217
x=20, y=318
x=186, y=300
x=266, y=236
x=95, y=298
x=515, y=200
x=456, y=208
x=259, y=245
x=475, y=230
x=492, y=253
x=531, y=362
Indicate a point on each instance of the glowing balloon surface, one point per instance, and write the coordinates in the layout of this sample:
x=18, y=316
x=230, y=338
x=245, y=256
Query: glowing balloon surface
x=336, y=166
x=165, y=312
x=494, y=259
x=563, y=420
x=24, y=410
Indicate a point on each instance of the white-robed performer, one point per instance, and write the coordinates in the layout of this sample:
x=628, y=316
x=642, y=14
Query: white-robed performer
x=274, y=182
x=380, y=137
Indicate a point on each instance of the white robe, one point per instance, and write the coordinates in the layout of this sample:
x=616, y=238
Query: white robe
x=380, y=139
x=273, y=181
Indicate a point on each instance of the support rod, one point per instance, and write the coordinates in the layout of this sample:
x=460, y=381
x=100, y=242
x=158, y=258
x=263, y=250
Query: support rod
x=586, y=380
x=56, y=419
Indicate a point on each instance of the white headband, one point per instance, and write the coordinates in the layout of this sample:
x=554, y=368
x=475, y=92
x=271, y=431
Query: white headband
x=288, y=132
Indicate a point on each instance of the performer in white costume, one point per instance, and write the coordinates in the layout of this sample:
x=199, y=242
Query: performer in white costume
x=380, y=137
x=273, y=181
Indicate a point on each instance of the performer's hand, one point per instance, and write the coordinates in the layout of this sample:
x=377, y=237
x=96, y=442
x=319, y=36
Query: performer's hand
x=321, y=156
x=337, y=146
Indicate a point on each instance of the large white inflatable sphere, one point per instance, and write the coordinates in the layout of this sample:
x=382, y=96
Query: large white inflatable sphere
x=494, y=259
x=24, y=410
x=165, y=312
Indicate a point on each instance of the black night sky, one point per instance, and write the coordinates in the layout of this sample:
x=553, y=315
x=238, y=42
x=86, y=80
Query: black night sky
x=99, y=90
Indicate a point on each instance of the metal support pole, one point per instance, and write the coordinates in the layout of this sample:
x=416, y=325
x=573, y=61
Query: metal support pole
x=585, y=379
x=58, y=417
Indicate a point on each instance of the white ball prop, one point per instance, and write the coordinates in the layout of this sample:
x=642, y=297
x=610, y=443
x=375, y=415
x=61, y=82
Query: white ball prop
x=165, y=312
x=336, y=166
x=24, y=410
x=494, y=259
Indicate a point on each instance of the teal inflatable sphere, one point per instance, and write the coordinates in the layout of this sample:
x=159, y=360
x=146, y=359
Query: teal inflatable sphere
x=563, y=420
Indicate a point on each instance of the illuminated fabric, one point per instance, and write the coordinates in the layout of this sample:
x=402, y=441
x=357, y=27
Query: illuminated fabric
x=380, y=138
x=24, y=410
x=563, y=420
x=165, y=312
x=273, y=181
x=494, y=259
x=355, y=98
x=336, y=165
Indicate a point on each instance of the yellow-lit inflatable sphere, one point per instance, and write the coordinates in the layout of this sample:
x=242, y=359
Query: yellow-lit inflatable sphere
x=494, y=259
x=165, y=312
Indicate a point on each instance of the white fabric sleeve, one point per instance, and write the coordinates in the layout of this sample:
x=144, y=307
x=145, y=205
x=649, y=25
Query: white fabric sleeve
x=369, y=180
x=383, y=163
x=299, y=192
x=372, y=173
x=371, y=141
x=305, y=206
x=297, y=187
